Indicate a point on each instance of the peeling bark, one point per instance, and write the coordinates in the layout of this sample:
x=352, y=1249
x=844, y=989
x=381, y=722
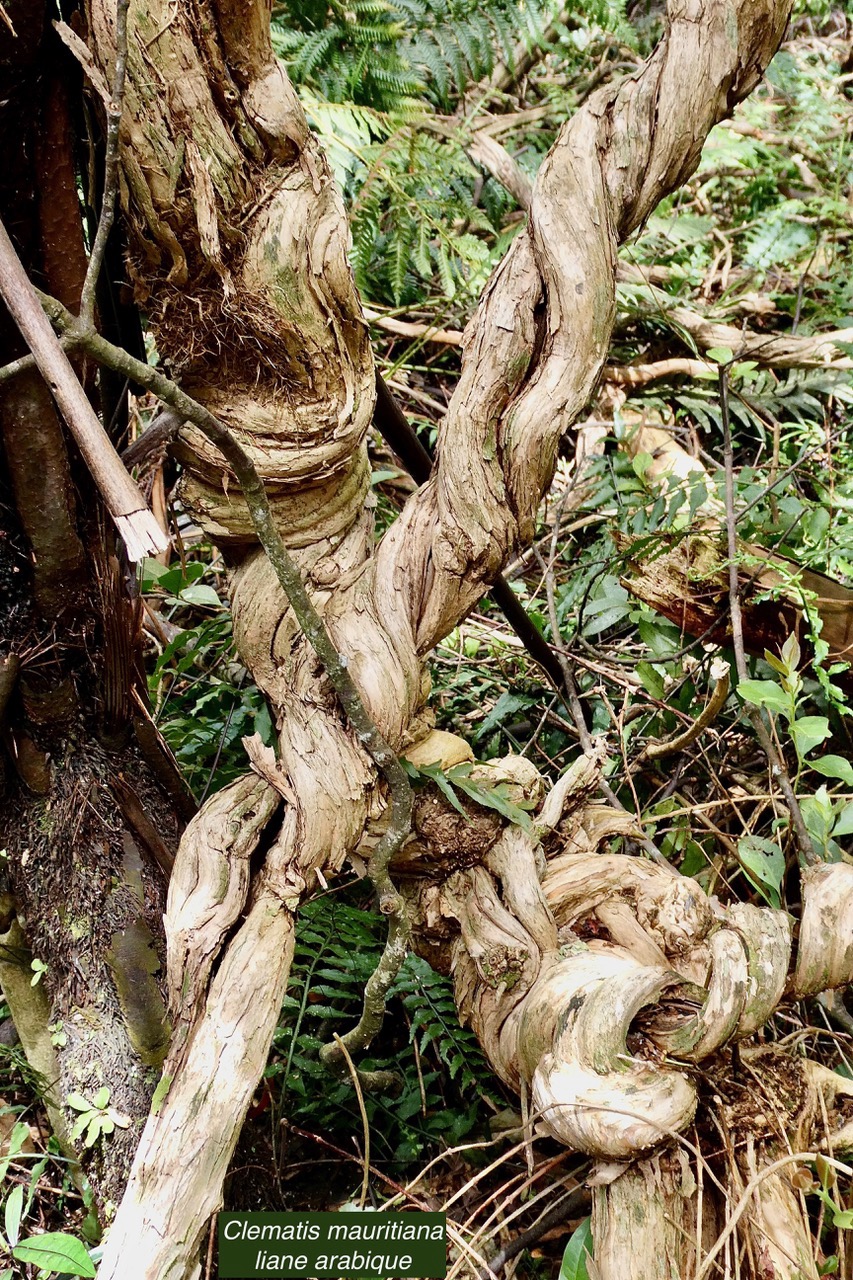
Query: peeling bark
x=238, y=245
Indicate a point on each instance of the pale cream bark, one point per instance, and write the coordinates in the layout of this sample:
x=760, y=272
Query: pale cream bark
x=239, y=250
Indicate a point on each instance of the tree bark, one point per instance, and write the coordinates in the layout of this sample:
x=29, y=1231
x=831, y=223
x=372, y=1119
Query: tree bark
x=84, y=893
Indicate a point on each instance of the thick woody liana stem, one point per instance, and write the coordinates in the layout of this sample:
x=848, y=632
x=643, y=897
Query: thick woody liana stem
x=334, y=663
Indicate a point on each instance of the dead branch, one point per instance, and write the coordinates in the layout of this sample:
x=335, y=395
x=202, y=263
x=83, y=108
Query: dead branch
x=137, y=526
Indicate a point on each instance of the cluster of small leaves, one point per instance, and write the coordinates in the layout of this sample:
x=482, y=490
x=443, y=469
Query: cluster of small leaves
x=443, y=1074
x=828, y=820
x=21, y=1172
x=95, y=1119
x=458, y=778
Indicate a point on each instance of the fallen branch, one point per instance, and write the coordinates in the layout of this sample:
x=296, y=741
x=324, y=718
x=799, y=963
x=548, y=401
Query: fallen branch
x=638, y=375
x=137, y=526
x=773, y=350
x=410, y=329
x=709, y=713
x=777, y=350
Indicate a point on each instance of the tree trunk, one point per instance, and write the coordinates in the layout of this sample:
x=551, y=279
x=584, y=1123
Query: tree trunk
x=85, y=895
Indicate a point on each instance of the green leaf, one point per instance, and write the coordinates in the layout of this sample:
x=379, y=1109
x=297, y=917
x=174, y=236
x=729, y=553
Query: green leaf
x=56, y=1253
x=843, y=825
x=497, y=799
x=19, y=1134
x=764, y=863
x=163, y=1085
x=809, y=732
x=439, y=777
x=641, y=463
x=609, y=607
x=659, y=636
x=78, y=1102
x=12, y=1215
x=765, y=693
x=506, y=705
x=101, y=1098
x=573, y=1266
x=201, y=594
x=817, y=524
x=776, y=663
x=79, y=1125
x=93, y=1132
x=834, y=767
x=791, y=653
x=819, y=816
x=720, y=355
x=387, y=473
x=151, y=571
x=173, y=580
x=652, y=680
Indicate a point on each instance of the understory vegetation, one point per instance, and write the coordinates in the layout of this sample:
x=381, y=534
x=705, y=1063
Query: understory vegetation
x=406, y=96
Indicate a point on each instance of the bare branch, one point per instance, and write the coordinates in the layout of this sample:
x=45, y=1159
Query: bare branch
x=707, y=716
x=137, y=526
x=778, y=350
x=108, y=200
x=83, y=54
x=156, y=435
x=504, y=168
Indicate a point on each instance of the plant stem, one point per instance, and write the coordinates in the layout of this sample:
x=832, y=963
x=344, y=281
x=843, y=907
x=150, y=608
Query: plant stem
x=314, y=629
x=108, y=200
x=125, y=503
x=774, y=759
x=288, y=575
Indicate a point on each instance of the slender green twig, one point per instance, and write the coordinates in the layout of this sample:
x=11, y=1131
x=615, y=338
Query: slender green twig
x=137, y=526
x=774, y=759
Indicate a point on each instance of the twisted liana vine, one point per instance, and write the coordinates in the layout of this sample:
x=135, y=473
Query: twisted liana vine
x=82, y=336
